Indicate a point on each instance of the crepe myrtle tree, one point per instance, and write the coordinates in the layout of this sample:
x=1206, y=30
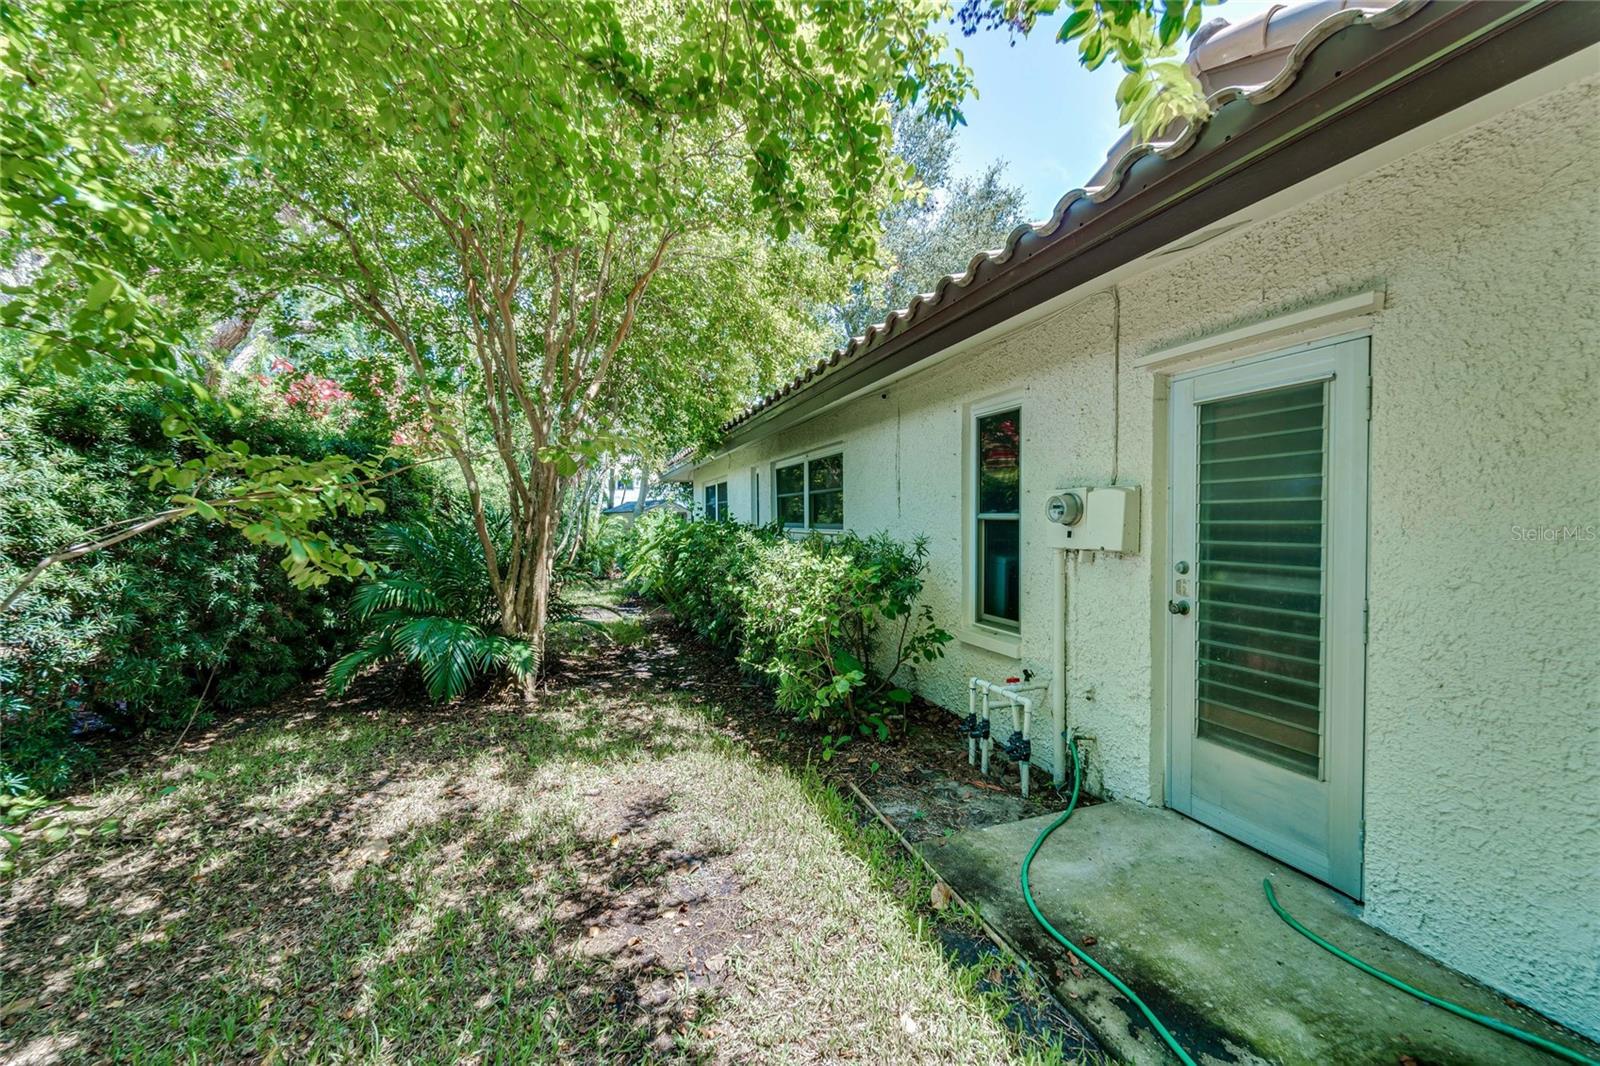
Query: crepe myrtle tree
x=496, y=188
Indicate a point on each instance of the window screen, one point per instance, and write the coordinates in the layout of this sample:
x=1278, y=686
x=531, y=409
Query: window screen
x=790, y=484
x=717, y=501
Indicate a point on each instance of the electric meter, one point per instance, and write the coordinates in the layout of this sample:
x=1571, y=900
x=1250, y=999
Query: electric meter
x=1065, y=508
x=1087, y=518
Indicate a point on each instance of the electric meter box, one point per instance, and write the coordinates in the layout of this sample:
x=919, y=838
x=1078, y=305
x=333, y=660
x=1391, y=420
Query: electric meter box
x=1093, y=519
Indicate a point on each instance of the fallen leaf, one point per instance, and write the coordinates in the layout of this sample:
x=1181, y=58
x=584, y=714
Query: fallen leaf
x=909, y=1024
x=940, y=896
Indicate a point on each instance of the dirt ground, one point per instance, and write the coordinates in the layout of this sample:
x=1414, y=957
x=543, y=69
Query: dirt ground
x=919, y=778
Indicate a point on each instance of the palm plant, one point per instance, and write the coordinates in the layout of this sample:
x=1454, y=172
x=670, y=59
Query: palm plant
x=432, y=605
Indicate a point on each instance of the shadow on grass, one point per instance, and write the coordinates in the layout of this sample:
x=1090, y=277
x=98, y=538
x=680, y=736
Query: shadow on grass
x=379, y=879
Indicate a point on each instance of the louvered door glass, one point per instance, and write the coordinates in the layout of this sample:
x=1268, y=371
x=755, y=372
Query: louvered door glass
x=1262, y=503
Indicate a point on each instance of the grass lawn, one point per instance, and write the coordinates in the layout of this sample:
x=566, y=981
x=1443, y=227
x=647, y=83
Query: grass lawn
x=608, y=875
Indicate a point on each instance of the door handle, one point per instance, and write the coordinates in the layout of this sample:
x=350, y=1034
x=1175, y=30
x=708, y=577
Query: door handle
x=1178, y=606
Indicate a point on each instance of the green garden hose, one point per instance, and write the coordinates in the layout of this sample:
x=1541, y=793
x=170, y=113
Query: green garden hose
x=1454, y=1008
x=1027, y=894
x=1171, y=1042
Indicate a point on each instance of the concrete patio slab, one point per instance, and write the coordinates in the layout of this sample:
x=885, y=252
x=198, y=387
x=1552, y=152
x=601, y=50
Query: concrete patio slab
x=1177, y=911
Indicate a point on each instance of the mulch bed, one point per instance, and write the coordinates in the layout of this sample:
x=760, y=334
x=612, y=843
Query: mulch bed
x=919, y=778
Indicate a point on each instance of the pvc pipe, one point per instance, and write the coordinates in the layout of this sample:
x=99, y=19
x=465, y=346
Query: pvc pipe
x=1058, y=671
x=1027, y=732
x=988, y=742
x=972, y=713
x=1021, y=718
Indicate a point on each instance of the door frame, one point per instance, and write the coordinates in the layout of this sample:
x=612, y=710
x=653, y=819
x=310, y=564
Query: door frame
x=1348, y=603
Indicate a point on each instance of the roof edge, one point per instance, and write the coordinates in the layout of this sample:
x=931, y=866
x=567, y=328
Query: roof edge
x=1353, y=75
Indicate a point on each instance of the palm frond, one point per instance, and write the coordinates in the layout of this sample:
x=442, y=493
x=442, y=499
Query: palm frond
x=433, y=605
x=344, y=671
x=396, y=592
x=449, y=651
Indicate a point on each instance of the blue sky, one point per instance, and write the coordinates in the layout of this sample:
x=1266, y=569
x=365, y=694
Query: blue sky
x=1040, y=111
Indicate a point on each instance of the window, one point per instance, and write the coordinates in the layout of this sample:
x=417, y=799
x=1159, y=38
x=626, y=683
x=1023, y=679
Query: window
x=999, y=514
x=717, y=502
x=810, y=493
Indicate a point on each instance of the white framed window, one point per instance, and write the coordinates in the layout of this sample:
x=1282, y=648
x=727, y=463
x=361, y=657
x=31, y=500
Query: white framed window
x=716, y=502
x=997, y=517
x=808, y=492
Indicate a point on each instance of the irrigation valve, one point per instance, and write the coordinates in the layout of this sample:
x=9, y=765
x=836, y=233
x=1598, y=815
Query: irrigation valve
x=1094, y=519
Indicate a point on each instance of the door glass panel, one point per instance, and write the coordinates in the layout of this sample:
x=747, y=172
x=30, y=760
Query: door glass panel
x=1260, y=574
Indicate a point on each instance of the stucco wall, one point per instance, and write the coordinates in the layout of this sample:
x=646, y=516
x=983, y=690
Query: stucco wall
x=1482, y=793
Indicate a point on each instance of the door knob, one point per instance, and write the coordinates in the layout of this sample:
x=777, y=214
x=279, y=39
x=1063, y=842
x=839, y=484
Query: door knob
x=1178, y=606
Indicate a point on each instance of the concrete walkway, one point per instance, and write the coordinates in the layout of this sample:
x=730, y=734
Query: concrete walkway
x=1177, y=911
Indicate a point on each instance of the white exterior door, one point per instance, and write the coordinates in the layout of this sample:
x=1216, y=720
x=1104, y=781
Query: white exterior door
x=1267, y=608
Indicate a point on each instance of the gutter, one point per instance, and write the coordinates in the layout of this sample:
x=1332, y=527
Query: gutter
x=1363, y=85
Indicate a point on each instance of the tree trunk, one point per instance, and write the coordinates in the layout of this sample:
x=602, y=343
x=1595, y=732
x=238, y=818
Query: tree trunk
x=644, y=494
x=226, y=337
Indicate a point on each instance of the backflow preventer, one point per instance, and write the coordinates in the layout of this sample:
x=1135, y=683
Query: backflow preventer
x=978, y=726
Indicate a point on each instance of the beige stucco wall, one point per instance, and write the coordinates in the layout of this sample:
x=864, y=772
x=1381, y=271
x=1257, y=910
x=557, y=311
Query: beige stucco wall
x=1482, y=792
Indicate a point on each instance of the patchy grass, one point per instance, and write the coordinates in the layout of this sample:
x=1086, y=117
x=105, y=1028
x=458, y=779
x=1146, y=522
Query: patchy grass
x=605, y=876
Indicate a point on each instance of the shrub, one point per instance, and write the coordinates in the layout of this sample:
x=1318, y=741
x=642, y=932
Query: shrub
x=432, y=606
x=696, y=570
x=133, y=636
x=831, y=622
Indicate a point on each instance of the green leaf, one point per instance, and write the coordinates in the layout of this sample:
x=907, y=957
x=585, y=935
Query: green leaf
x=100, y=292
x=1075, y=24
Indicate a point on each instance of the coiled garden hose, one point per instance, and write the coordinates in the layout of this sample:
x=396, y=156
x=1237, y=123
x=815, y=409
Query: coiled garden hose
x=1443, y=1004
x=1027, y=894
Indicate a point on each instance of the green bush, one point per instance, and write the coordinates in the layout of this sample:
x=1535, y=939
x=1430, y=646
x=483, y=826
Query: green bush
x=135, y=634
x=831, y=622
x=433, y=606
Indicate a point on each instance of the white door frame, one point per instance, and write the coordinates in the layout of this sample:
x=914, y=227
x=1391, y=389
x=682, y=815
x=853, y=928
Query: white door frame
x=1345, y=363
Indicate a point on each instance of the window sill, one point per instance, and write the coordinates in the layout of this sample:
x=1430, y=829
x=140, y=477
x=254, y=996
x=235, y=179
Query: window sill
x=1000, y=641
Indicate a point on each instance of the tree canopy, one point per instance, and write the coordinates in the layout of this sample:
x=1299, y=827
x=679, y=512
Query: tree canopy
x=493, y=191
x=1142, y=36
x=935, y=232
